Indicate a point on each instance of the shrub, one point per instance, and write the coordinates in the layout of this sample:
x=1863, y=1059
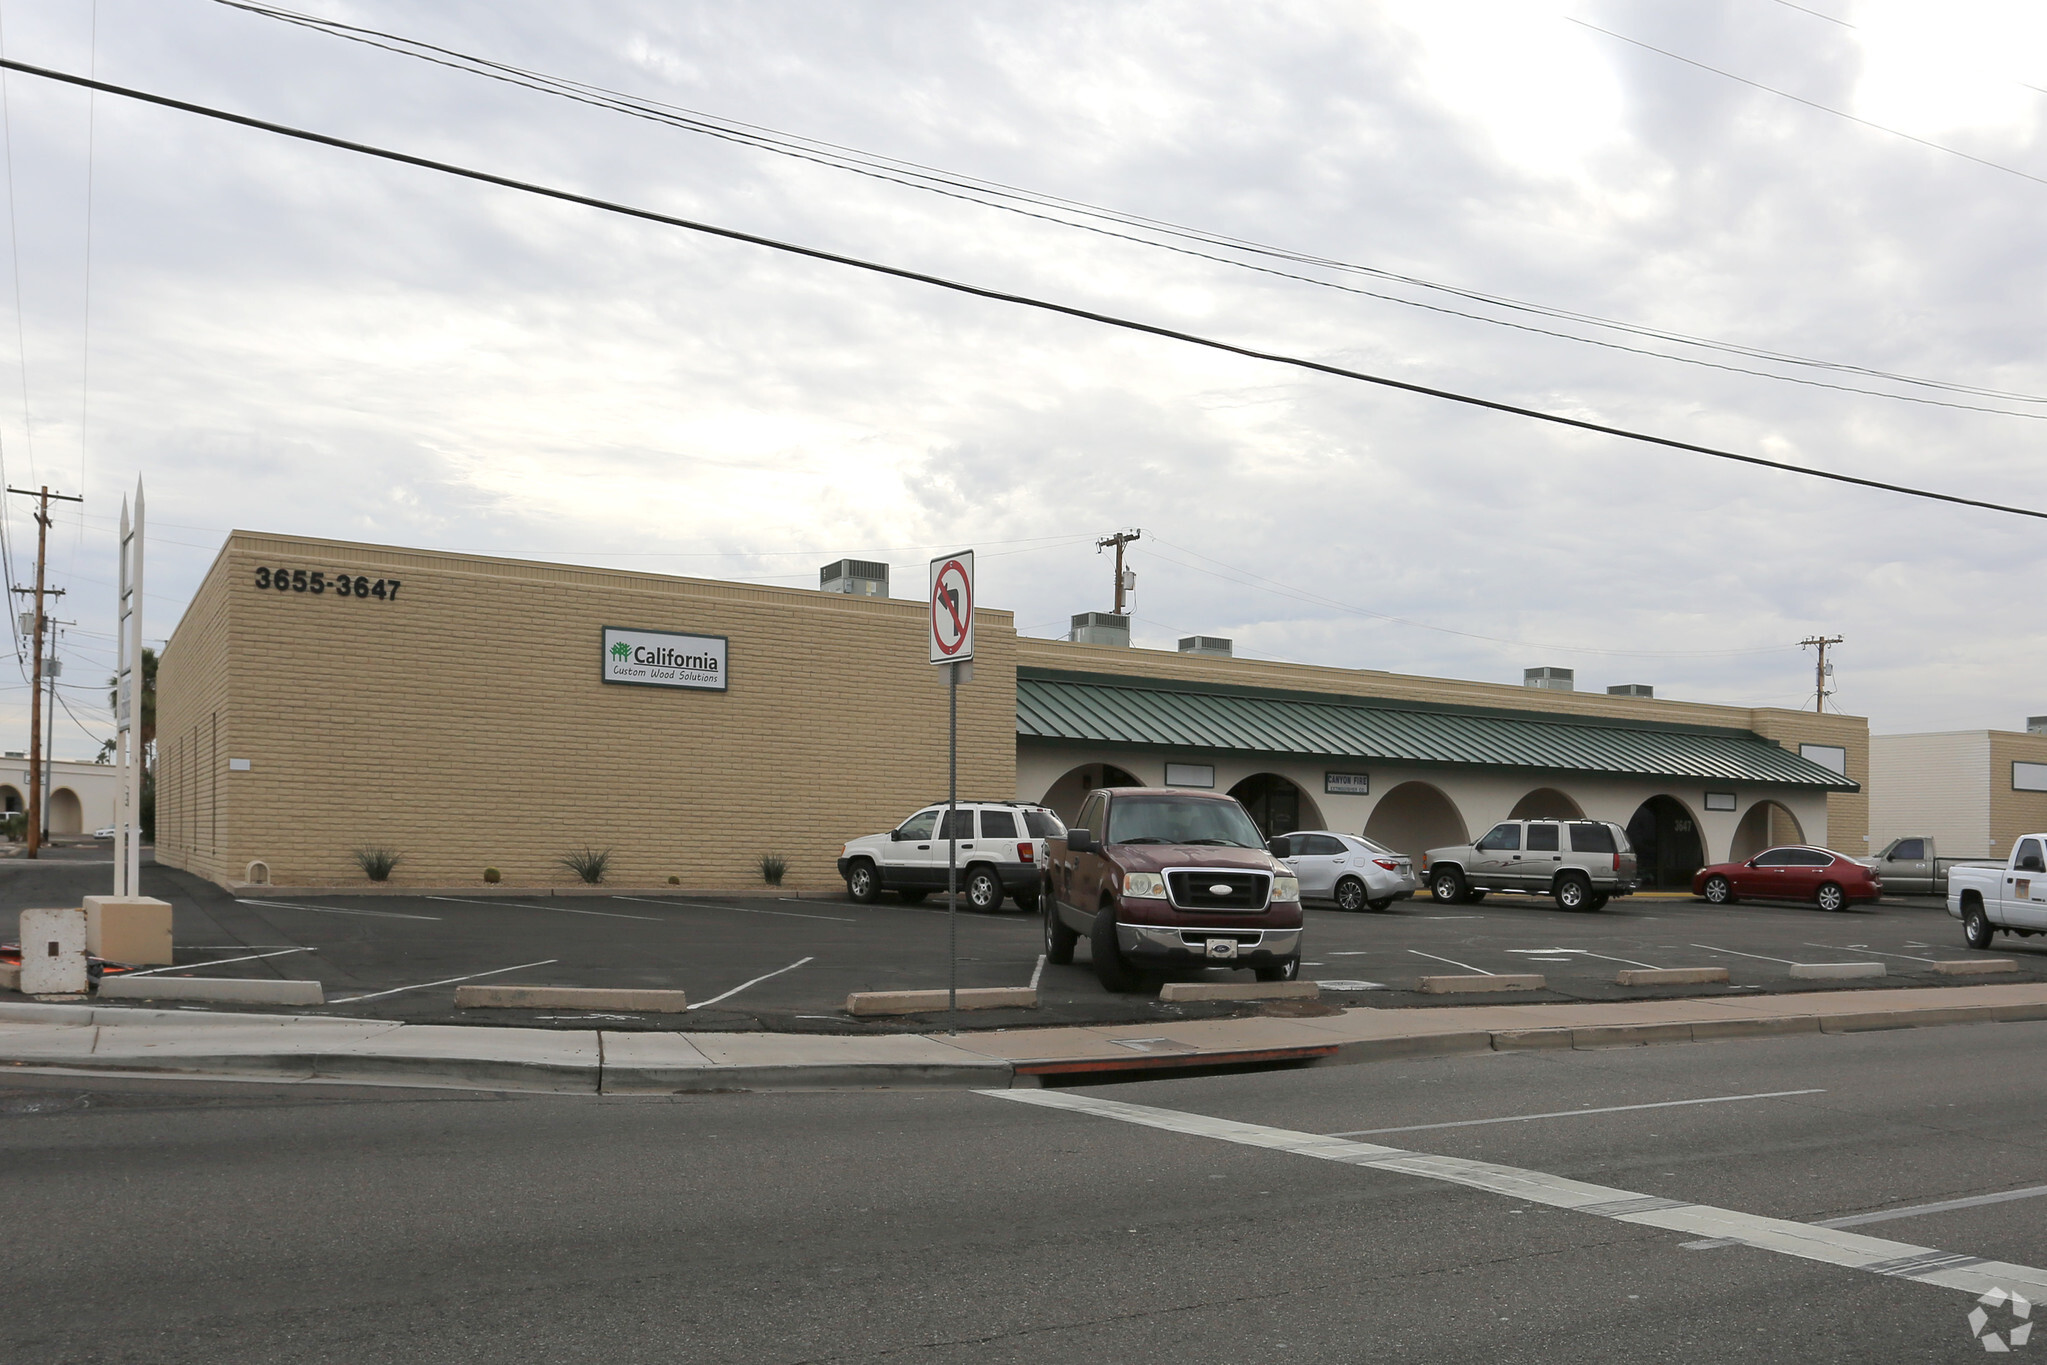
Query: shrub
x=773, y=865
x=377, y=863
x=588, y=863
x=675, y=881
x=493, y=876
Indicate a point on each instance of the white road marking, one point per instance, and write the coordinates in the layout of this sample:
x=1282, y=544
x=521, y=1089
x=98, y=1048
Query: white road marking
x=1453, y=962
x=399, y=990
x=1828, y=1246
x=1940, y=1206
x=1583, y=952
x=737, y=910
x=540, y=905
x=338, y=910
x=1578, y=1113
x=1350, y=985
x=216, y=962
x=755, y=982
x=1757, y=956
x=1359, y=952
x=1038, y=972
x=1450, y=917
x=1858, y=948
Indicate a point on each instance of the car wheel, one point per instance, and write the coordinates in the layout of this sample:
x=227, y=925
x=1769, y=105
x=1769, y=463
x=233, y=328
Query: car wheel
x=1110, y=968
x=1718, y=891
x=1447, y=887
x=1350, y=894
x=1572, y=891
x=1598, y=902
x=1285, y=971
x=1026, y=901
x=984, y=890
x=1059, y=940
x=862, y=884
x=1831, y=897
x=913, y=897
x=1976, y=925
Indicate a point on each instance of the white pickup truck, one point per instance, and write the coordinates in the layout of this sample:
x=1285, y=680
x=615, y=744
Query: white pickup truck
x=2012, y=898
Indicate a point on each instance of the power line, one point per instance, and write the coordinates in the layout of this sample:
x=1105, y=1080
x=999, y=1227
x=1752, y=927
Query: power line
x=1010, y=199
x=997, y=295
x=1811, y=104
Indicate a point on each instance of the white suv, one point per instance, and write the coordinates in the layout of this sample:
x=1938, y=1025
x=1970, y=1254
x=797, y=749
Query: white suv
x=1001, y=853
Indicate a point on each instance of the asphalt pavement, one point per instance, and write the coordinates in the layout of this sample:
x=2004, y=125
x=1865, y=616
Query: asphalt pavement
x=787, y=965
x=174, y=1222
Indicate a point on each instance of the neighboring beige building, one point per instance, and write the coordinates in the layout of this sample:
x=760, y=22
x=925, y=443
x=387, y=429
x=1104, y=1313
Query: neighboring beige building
x=83, y=796
x=1973, y=791
x=461, y=717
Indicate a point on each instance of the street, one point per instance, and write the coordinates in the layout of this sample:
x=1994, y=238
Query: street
x=201, y=1221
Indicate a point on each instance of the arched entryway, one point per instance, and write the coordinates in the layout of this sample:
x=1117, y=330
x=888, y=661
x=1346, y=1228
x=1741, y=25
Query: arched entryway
x=67, y=816
x=1546, y=803
x=1415, y=817
x=10, y=800
x=1766, y=825
x=1277, y=805
x=1065, y=795
x=1667, y=846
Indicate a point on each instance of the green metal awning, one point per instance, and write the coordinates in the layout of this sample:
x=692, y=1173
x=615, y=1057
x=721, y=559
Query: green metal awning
x=1183, y=717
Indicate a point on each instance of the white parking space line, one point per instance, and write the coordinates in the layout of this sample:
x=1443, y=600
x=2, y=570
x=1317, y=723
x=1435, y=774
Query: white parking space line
x=339, y=910
x=1453, y=962
x=559, y=909
x=755, y=982
x=1858, y=948
x=1974, y=1201
x=1568, y=953
x=1355, y=952
x=735, y=909
x=1449, y=916
x=216, y=962
x=1578, y=1113
x=449, y=981
x=1757, y=956
x=1827, y=1246
x=1038, y=971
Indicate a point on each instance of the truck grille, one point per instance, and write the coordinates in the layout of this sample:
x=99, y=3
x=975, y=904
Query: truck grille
x=1193, y=889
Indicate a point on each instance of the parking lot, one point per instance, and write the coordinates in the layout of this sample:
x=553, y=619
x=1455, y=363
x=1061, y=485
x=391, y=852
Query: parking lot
x=788, y=964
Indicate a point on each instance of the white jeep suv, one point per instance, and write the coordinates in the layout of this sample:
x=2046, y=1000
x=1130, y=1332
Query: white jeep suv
x=1001, y=853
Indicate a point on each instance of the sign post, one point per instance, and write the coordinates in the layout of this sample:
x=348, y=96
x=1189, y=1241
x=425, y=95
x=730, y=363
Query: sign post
x=952, y=647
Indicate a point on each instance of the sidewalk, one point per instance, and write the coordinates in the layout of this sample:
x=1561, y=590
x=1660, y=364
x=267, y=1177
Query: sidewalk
x=102, y=1039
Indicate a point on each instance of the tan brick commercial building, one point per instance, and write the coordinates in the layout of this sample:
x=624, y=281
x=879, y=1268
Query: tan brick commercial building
x=321, y=697
x=461, y=721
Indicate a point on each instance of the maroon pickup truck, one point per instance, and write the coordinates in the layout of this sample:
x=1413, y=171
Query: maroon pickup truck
x=1156, y=877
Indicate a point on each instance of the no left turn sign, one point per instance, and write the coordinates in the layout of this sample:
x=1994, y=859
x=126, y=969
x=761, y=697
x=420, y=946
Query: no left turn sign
x=952, y=608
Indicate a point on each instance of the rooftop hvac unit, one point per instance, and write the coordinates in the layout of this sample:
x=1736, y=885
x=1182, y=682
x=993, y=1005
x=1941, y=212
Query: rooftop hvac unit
x=2036, y=725
x=1215, y=646
x=860, y=577
x=1631, y=690
x=1550, y=679
x=1100, y=628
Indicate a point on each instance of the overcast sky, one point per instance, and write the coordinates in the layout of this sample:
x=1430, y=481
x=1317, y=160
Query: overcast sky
x=286, y=338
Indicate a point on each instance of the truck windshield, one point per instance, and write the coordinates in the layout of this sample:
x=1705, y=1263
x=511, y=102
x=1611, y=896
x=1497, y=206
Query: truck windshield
x=1167, y=820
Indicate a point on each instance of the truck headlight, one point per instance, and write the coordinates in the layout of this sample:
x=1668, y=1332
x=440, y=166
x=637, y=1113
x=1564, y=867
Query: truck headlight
x=1144, y=885
x=1286, y=888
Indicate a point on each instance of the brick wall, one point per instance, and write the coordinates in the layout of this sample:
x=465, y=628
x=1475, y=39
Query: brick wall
x=462, y=723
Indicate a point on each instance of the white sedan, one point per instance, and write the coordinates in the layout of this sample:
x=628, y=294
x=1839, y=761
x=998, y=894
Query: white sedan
x=1349, y=869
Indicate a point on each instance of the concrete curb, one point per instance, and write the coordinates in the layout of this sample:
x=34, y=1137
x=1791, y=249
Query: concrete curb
x=1834, y=971
x=864, y=1004
x=1975, y=966
x=1670, y=976
x=1455, y=985
x=219, y=990
x=480, y=890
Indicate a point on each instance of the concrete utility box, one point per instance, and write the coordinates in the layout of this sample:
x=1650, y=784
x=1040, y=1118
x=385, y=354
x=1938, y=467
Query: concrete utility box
x=53, y=952
x=132, y=929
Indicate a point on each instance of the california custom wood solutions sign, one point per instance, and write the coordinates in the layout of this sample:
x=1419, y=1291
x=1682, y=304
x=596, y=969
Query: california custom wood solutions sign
x=659, y=658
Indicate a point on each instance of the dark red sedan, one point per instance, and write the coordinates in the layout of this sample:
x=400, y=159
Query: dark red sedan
x=1796, y=873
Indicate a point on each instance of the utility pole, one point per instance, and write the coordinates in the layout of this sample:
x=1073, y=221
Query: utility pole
x=1820, y=670
x=43, y=498
x=1125, y=580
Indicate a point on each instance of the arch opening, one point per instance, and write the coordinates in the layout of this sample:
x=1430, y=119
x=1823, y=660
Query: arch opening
x=1546, y=803
x=1065, y=795
x=67, y=815
x=1667, y=845
x=1766, y=824
x=1277, y=805
x=1415, y=817
x=10, y=800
